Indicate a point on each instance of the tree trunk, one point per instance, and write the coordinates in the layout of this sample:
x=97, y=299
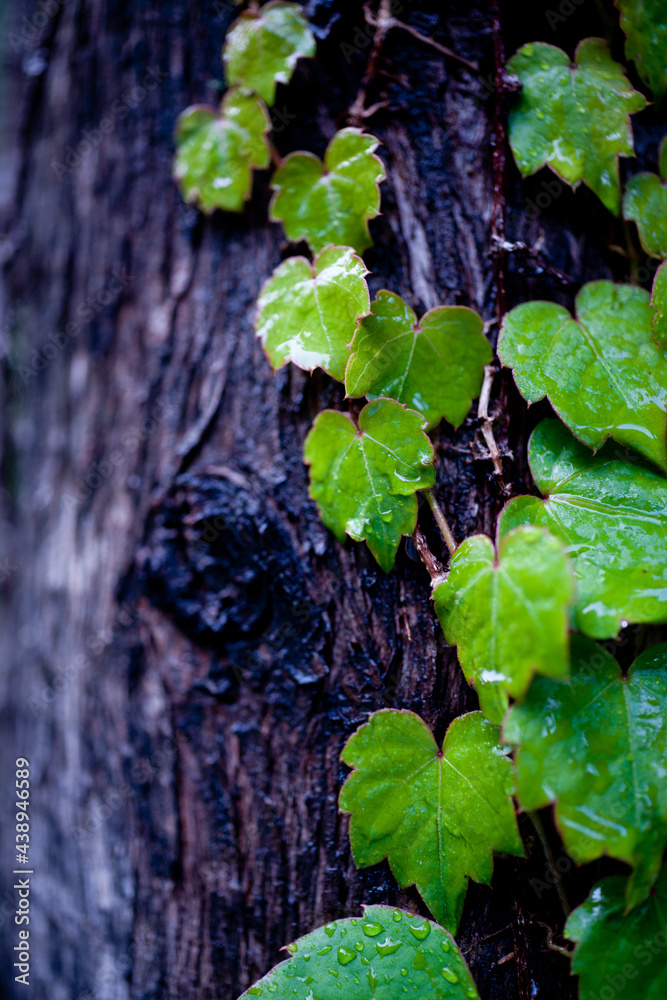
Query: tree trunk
x=186, y=647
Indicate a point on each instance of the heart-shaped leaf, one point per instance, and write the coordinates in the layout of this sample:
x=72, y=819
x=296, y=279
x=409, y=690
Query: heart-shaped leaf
x=435, y=365
x=659, y=303
x=216, y=152
x=507, y=615
x=602, y=372
x=263, y=46
x=435, y=815
x=611, y=516
x=645, y=202
x=574, y=119
x=616, y=949
x=330, y=202
x=644, y=23
x=307, y=313
x=386, y=954
x=364, y=479
x=597, y=748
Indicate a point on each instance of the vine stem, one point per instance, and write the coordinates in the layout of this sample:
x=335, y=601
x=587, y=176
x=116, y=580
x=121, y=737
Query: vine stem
x=435, y=568
x=441, y=521
x=487, y=425
x=548, y=853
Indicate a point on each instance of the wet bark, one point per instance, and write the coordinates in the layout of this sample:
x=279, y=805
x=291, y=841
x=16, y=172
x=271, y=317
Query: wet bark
x=186, y=647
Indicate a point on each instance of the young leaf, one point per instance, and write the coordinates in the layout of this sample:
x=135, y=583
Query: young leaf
x=645, y=202
x=602, y=372
x=435, y=815
x=597, y=747
x=307, y=313
x=574, y=119
x=644, y=23
x=507, y=615
x=364, y=480
x=659, y=303
x=611, y=516
x=217, y=151
x=435, y=365
x=610, y=942
x=387, y=954
x=263, y=47
x=330, y=202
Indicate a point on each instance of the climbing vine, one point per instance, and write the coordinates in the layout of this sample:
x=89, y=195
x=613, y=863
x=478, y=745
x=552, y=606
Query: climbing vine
x=560, y=723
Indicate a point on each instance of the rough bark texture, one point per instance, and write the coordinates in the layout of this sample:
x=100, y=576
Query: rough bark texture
x=187, y=648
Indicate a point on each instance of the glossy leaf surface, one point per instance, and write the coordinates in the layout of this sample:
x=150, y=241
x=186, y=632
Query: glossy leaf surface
x=611, y=515
x=307, y=313
x=364, y=479
x=645, y=202
x=574, y=119
x=262, y=47
x=387, y=954
x=618, y=950
x=216, y=152
x=330, y=202
x=659, y=303
x=597, y=747
x=436, y=816
x=601, y=372
x=645, y=25
x=508, y=616
x=434, y=365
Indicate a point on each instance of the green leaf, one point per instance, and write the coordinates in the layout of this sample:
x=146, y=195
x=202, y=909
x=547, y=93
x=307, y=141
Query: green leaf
x=386, y=954
x=611, y=515
x=507, y=615
x=364, y=480
x=435, y=365
x=597, y=747
x=435, y=815
x=263, y=47
x=217, y=151
x=644, y=23
x=616, y=949
x=659, y=303
x=645, y=202
x=602, y=372
x=330, y=202
x=307, y=313
x=574, y=119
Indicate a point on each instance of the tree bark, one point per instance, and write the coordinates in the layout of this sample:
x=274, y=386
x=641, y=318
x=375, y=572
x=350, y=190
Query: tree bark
x=186, y=647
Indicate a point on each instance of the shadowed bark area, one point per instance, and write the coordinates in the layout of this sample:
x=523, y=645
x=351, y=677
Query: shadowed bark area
x=186, y=647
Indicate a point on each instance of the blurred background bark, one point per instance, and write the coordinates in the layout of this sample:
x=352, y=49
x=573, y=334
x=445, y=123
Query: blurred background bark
x=185, y=647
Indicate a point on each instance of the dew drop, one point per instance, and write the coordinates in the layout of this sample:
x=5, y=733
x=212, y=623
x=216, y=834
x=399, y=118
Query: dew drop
x=420, y=931
x=387, y=947
x=371, y=929
x=398, y=915
x=346, y=955
x=449, y=975
x=329, y=930
x=325, y=950
x=292, y=948
x=359, y=945
x=444, y=945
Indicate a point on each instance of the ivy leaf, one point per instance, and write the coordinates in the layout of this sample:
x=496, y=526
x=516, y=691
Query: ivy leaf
x=307, y=313
x=263, y=47
x=602, y=372
x=611, y=515
x=217, y=151
x=435, y=815
x=507, y=615
x=330, y=202
x=364, y=958
x=574, y=119
x=364, y=480
x=645, y=202
x=659, y=303
x=435, y=365
x=644, y=23
x=610, y=941
x=597, y=747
